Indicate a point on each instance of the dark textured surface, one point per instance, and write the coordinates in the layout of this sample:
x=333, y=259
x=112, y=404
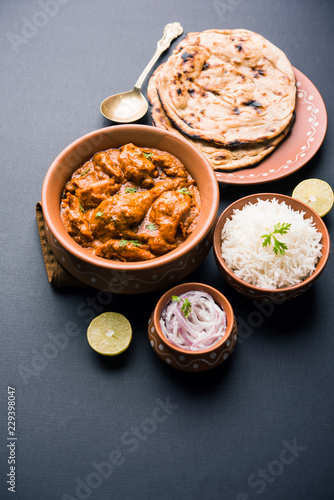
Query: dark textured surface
x=90, y=427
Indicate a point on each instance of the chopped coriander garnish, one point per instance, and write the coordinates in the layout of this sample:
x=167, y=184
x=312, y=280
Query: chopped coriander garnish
x=81, y=207
x=279, y=246
x=151, y=227
x=135, y=243
x=185, y=191
x=131, y=190
x=148, y=155
x=85, y=172
x=186, y=305
x=98, y=214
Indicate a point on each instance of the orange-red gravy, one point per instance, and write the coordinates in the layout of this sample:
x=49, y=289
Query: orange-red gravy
x=130, y=204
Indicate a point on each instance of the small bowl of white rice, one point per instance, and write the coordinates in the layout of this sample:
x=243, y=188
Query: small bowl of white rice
x=270, y=246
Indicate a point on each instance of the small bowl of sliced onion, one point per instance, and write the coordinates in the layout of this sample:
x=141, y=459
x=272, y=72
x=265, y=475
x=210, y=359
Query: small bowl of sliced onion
x=193, y=327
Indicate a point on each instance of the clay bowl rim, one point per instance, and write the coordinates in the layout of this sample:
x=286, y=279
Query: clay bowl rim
x=85, y=255
x=183, y=288
x=309, y=212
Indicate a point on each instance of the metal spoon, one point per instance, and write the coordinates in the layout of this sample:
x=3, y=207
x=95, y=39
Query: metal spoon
x=130, y=106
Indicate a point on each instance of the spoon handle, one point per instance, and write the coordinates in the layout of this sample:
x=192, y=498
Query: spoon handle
x=171, y=31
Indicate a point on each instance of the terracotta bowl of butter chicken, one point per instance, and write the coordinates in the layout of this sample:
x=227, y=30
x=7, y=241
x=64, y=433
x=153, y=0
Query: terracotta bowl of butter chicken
x=130, y=208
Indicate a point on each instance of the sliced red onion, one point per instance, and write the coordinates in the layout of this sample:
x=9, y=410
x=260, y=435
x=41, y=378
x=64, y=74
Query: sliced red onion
x=202, y=328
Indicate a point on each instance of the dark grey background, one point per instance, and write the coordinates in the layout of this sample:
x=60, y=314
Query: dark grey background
x=226, y=434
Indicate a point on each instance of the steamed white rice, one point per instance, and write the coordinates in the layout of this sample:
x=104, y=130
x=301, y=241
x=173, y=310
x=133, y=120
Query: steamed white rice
x=244, y=254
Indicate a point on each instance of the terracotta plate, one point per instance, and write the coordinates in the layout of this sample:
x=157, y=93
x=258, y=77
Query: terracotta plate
x=304, y=140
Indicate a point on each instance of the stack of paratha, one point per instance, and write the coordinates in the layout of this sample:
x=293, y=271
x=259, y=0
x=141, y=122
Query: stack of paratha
x=231, y=92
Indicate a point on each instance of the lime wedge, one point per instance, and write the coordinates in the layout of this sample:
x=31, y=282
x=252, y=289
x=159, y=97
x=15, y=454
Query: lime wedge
x=315, y=193
x=109, y=334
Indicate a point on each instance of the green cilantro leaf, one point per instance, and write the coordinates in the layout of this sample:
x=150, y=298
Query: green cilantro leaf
x=148, y=155
x=85, y=172
x=151, y=227
x=98, y=214
x=185, y=191
x=131, y=190
x=278, y=246
x=81, y=207
x=135, y=243
x=185, y=307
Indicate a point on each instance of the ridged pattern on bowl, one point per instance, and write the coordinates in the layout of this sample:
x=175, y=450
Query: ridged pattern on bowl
x=129, y=277
x=275, y=295
x=191, y=361
x=121, y=281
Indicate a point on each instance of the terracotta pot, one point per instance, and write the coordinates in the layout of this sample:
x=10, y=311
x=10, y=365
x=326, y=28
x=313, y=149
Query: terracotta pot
x=192, y=361
x=129, y=277
x=275, y=295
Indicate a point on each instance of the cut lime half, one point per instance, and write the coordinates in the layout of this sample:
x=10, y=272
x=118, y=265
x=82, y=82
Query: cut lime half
x=316, y=193
x=109, y=334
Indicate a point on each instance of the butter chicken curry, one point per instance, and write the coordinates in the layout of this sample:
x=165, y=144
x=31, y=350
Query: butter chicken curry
x=130, y=204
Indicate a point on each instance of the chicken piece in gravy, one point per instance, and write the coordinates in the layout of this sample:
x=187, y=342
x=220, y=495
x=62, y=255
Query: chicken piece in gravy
x=130, y=204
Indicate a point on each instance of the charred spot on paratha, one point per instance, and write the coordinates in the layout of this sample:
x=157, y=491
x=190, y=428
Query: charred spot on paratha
x=186, y=56
x=236, y=144
x=253, y=103
x=258, y=72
